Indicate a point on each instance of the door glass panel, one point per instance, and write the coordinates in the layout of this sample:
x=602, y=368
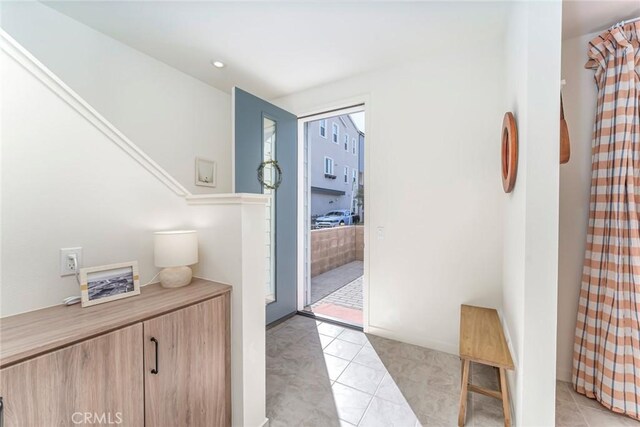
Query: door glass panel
x=269, y=153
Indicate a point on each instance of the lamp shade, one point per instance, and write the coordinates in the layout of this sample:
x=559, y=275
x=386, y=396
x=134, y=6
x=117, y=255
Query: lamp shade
x=175, y=248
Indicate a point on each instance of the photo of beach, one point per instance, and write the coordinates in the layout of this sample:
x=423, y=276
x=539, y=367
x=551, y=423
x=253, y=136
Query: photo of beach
x=104, y=284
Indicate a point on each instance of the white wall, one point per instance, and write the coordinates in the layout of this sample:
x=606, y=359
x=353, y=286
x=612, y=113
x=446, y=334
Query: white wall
x=231, y=240
x=513, y=277
x=171, y=116
x=531, y=210
x=580, y=97
x=51, y=201
x=100, y=198
x=433, y=183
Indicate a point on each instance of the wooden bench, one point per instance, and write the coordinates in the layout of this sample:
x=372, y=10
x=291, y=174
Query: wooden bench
x=482, y=341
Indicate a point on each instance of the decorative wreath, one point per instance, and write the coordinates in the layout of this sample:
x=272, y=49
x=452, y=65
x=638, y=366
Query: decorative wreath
x=275, y=164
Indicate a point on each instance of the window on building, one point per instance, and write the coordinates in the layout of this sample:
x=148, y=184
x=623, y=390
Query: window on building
x=328, y=166
x=323, y=128
x=346, y=142
x=354, y=176
x=336, y=133
x=354, y=150
x=346, y=174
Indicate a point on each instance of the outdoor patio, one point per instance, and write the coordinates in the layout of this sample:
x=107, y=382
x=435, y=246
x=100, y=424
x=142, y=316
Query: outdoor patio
x=337, y=293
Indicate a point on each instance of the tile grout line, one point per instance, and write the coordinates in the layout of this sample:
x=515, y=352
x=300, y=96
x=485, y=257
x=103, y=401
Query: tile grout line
x=584, y=417
x=342, y=373
x=365, y=366
x=575, y=401
x=361, y=347
x=366, y=409
x=353, y=388
x=573, y=394
x=375, y=393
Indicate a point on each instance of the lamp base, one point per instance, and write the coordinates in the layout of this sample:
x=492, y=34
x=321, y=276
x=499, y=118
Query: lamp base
x=175, y=277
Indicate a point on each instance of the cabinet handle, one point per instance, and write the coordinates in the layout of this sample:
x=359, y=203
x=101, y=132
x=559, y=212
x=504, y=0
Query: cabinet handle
x=154, y=370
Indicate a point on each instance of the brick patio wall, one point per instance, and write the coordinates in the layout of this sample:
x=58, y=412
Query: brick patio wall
x=333, y=247
x=360, y=243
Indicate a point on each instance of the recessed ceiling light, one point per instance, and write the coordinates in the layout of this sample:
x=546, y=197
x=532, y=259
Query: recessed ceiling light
x=217, y=64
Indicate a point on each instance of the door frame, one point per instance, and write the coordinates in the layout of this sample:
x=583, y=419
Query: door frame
x=358, y=103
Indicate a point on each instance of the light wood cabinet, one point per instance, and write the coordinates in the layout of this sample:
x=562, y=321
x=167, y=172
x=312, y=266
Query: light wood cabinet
x=67, y=366
x=186, y=361
x=100, y=377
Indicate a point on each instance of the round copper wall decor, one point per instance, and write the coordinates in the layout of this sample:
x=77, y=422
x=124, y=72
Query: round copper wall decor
x=509, y=152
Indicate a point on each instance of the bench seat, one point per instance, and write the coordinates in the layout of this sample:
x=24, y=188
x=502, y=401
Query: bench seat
x=482, y=341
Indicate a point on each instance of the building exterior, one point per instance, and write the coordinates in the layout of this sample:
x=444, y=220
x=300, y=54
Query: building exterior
x=335, y=169
x=360, y=210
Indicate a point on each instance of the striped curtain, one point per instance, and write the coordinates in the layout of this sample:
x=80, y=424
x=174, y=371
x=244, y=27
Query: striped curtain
x=606, y=361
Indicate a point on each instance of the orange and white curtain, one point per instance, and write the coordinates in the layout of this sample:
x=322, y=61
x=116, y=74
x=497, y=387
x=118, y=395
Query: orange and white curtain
x=606, y=361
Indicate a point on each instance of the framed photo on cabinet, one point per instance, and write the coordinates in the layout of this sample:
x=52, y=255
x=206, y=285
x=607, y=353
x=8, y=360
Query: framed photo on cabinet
x=109, y=283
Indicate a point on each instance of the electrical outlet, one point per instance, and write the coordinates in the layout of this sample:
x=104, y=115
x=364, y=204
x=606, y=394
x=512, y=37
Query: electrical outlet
x=67, y=266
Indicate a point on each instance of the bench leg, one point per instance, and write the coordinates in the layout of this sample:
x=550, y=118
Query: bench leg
x=463, y=392
x=506, y=407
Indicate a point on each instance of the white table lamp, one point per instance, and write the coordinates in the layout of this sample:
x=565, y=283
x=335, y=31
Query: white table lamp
x=175, y=251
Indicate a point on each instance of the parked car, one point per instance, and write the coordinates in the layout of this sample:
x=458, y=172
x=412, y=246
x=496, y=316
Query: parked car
x=334, y=218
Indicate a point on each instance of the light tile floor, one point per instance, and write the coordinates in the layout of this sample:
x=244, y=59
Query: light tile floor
x=319, y=374
x=575, y=410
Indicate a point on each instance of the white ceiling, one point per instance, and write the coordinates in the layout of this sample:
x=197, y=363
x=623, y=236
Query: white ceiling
x=277, y=48
x=585, y=17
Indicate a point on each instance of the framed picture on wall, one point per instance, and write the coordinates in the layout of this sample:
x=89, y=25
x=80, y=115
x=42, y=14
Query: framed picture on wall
x=109, y=283
x=205, y=172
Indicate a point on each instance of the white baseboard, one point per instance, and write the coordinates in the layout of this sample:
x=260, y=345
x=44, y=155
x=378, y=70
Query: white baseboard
x=511, y=378
x=432, y=344
x=564, y=375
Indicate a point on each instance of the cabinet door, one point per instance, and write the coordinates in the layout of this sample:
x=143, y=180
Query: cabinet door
x=97, y=381
x=186, y=356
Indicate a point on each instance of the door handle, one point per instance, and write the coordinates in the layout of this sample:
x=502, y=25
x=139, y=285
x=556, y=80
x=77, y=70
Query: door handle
x=154, y=370
x=1, y=412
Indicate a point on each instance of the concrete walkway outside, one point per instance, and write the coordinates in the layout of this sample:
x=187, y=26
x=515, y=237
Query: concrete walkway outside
x=332, y=280
x=337, y=294
x=349, y=296
x=344, y=305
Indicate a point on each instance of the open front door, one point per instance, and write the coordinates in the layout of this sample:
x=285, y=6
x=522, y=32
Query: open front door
x=265, y=162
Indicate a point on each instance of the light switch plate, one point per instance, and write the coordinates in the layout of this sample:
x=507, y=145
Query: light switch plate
x=66, y=263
